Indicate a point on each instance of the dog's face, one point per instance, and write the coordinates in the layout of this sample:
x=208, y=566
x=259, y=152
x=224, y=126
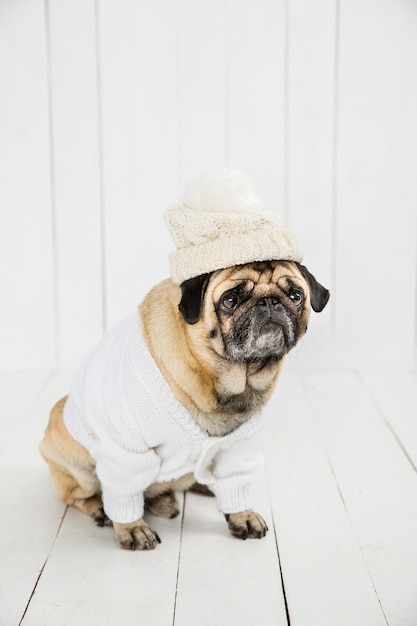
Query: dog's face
x=253, y=313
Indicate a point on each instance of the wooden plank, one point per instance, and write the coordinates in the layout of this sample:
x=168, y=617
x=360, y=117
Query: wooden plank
x=138, y=68
x=326, y=580
x=30, y=512
x=255, y=99
x=18, y=391
x=223, y=580
x=395, y=394
x=201, y=85
x=311, y=62
x=27, y=316
x=376, y=183
x=75, y=137
x=104, y=584
x=378, y=486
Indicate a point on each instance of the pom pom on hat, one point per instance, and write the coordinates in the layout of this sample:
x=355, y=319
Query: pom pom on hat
x=220, y=223
x=223, y=191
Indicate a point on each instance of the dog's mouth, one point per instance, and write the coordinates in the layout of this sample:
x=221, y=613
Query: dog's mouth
x=269, y=326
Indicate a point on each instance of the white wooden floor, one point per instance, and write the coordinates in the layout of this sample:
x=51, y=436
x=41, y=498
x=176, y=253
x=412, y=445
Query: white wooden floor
x=340, y=499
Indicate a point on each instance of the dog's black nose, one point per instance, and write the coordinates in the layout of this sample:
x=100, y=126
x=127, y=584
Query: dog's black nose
x=269, y=303
x=272, y=308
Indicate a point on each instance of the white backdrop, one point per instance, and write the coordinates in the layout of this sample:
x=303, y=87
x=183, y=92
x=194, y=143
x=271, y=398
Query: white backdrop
x=108, y=107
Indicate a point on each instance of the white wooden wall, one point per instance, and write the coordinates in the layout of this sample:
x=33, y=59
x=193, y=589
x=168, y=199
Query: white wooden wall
x=108, y=107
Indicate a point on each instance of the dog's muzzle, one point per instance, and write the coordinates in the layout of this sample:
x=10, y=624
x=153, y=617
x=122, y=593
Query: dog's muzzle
x=268, y=330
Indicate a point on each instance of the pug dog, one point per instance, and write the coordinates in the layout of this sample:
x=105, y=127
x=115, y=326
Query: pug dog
x=217, y=342
x=171, y=399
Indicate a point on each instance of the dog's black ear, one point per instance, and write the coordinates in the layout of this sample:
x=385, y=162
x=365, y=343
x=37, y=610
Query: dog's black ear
x=193, y=291
x=319, y=295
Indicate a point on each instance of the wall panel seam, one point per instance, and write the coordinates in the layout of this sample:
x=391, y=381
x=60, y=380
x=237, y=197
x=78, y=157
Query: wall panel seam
x=335, y=178
x=286, y=172
x=52, y=182
x=178, y=96
x=227, y=85
x=100, y=148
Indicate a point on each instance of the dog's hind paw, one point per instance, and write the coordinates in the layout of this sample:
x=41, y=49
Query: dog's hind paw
x=165, y=505
x=100, y=518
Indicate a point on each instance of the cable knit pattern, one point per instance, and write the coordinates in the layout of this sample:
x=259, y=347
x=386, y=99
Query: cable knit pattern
x=220, y=223
x=123, y=411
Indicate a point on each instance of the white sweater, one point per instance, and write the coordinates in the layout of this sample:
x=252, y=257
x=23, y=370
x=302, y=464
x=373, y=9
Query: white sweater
x=123, y=411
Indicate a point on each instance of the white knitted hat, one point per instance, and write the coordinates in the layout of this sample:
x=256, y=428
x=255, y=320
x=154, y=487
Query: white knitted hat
x=220, y=223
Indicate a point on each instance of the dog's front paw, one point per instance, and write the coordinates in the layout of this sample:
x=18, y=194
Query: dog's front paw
x=135, y=536
x=246, y=524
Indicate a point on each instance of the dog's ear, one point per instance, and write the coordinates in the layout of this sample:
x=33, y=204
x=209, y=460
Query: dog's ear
x=193, y=291
x=319, y=295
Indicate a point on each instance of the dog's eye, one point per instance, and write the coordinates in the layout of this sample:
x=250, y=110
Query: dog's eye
x=296, y=296
x=229, y=302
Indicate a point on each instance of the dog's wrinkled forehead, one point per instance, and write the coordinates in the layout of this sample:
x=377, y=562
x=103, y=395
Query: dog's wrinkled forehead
x=259, y=277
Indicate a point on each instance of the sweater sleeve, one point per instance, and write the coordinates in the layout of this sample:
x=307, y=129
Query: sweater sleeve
x=124, y=476
x=235, y=468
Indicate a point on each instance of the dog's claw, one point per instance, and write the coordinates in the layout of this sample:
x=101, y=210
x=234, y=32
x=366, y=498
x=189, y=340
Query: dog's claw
x=246, y=524
x=136, y=536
